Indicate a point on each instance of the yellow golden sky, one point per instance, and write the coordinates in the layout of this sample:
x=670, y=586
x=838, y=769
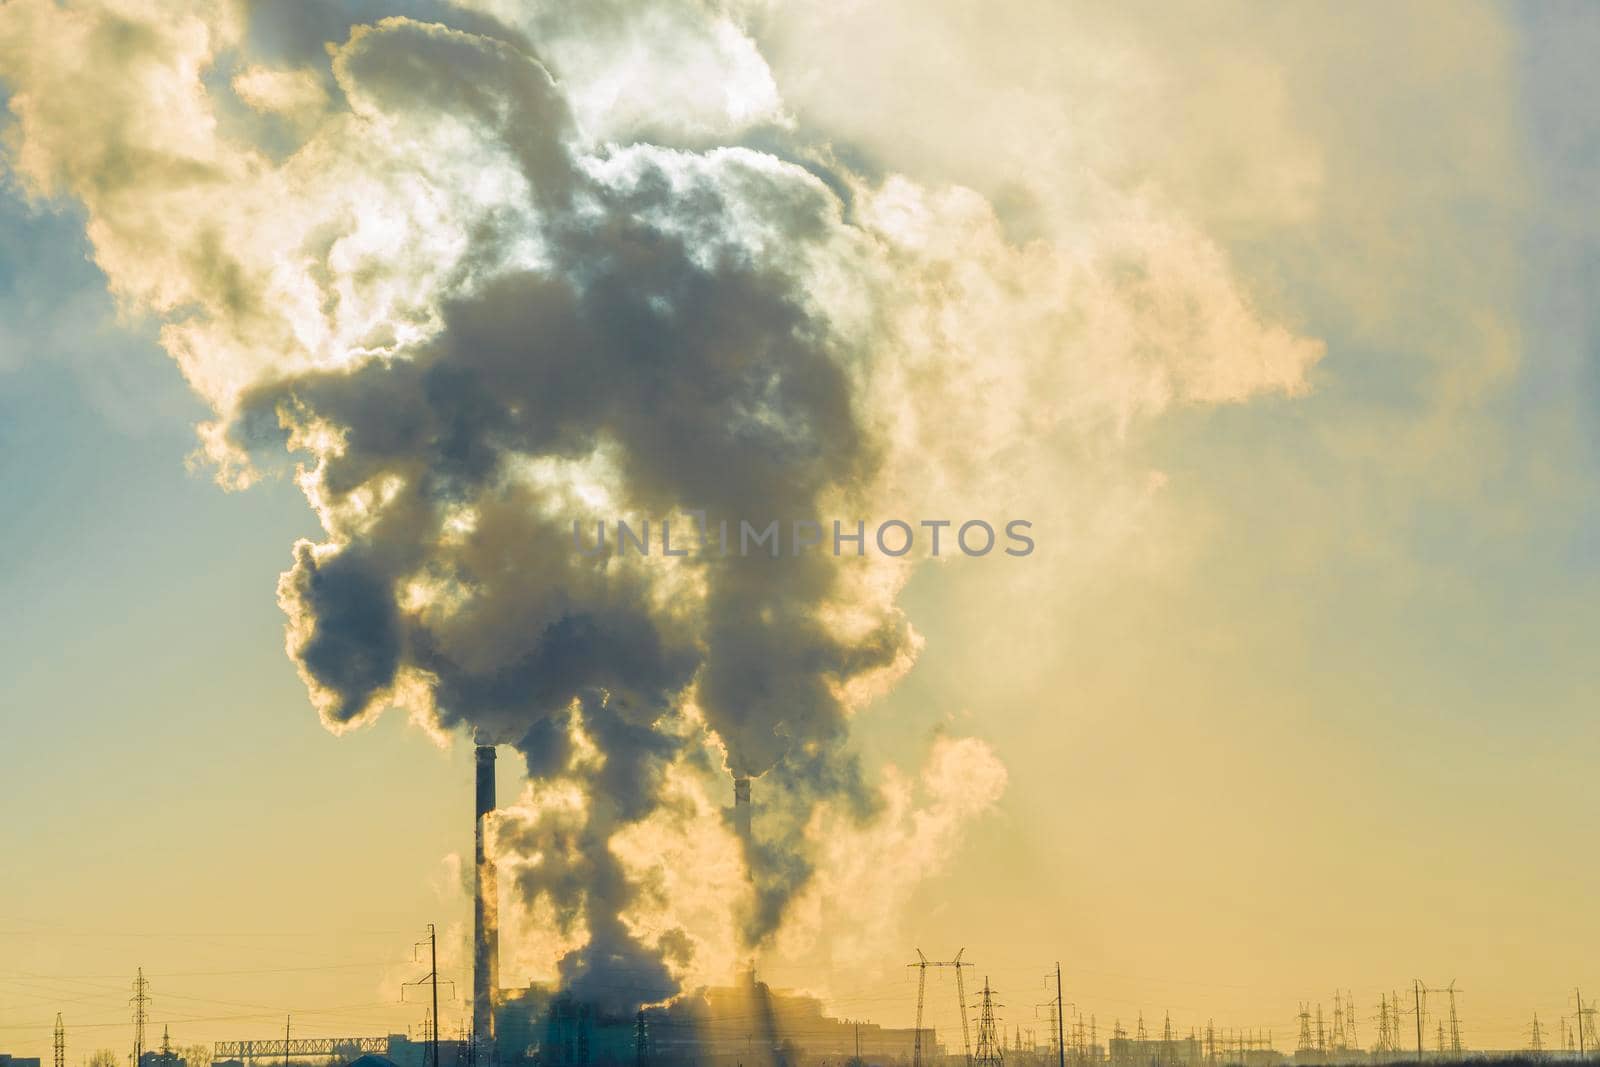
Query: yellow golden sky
x=1274, y=322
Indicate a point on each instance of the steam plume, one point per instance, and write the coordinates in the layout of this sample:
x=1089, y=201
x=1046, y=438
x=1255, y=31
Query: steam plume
x=488, y=267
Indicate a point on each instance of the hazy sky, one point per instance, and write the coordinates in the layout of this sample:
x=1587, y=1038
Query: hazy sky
x=1277, y=321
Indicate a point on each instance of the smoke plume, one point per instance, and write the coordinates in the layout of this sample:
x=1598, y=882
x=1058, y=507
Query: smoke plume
x=487, y=268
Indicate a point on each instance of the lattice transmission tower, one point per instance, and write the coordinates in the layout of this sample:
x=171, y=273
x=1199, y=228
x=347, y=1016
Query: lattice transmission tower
x=991, y=1046
x=922, y=965
x=141, y=1014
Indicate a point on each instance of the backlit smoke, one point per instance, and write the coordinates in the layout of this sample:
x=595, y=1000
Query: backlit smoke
x=488, y=268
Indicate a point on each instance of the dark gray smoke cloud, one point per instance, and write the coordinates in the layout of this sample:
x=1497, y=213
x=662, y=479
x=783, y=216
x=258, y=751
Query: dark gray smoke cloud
x=656, y=332
x=499, y=264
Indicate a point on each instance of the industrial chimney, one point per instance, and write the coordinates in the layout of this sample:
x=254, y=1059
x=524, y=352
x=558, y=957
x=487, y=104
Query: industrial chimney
x=741, y=807
x=485, y=917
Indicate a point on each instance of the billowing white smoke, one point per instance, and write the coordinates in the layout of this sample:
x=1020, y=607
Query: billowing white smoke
x=492, y=267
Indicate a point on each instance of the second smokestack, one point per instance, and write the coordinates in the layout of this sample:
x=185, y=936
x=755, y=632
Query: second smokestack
x=485, y=914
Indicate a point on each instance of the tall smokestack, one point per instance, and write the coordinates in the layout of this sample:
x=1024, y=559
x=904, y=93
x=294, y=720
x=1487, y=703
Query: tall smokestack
x=485, y=916
x=741, y=807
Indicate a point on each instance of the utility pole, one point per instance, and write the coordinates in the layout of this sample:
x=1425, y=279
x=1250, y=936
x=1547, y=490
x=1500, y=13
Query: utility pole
x=1585, y=1022
x=431, y=979
x=1416, y=997
x=433, y=975
x=61, y=1042
x=1061, y=1026
x=286, y=1020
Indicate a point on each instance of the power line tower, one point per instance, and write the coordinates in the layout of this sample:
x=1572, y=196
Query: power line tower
x=1350, y=1037
x=991, y=1046
x=1322, y=1037
x=1455, y=1023
x=922, y=965
x=61, y=1042
x=1385, y=1041
x=1304, y=1044
x=1338, y=1039
x=1452, y=1043
x=1536, y=1045
x=1050, y=1017
x=141, y=1013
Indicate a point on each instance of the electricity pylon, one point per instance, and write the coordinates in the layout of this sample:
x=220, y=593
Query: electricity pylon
x=1385, y=1035
x=922, y=965
x=1455, y=1024
x=1050, y=1007
x=991, y=1046
x=61, y=1042
x=1536, y=1046
x=141, y=1004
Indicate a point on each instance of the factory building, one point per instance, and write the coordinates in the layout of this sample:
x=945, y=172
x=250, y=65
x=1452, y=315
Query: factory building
x=1156, y=1052
x=743, y=1025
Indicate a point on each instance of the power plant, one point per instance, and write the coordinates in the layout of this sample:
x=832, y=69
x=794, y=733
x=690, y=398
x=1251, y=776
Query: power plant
x=750, y=1024
x=747, y=1023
